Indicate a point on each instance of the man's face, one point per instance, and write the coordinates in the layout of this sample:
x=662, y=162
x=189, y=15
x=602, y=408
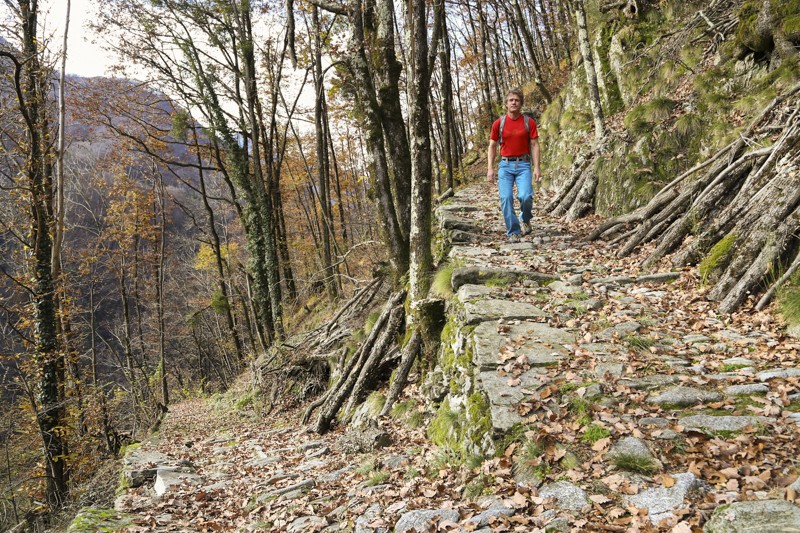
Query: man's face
x=513, y=103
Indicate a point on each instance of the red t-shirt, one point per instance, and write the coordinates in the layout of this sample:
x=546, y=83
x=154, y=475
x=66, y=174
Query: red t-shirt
x=515, y=142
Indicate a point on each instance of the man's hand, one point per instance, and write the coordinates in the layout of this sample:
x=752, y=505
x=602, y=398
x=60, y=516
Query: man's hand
x=491, y=175
x=537, y=175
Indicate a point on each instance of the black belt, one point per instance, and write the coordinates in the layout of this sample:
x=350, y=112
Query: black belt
x=516, y=158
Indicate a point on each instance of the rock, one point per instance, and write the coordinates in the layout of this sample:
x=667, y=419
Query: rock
x=363, y=440
x=620, y=330
x=455, y=208
x=631, y=447
x=541, y=342
x=613, y=369
x=661, y=277
x=753, y=516
x=564, y=288
x=696, y=339
x=306, y=523
x=568, y=495
x=475, y=276
x=613, y=280
x=716, y=424
x=738, y=361
x=750, y=388
x=170, y=476
x=494, y=511
x=424, y=520
x=300, y=486
x=311, y=445
x=140, y=466
x=778, y=373
x=372, y=513
x=449, y=221
x=336, y=474
x=654, y=421
x=92, y=519
x=661, y=501
x=470, y=292
x=467, y=252
x=684, y=397
x=312, y=464
x=465, y=237
x=492, y=309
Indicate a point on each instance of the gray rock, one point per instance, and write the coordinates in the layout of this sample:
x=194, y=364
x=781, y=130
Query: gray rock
x=300, y=486
x=564, y=288
x=593, y=391
x=713, y=424
x=668, y=434
x=470, y=252
x=620, y=330
x=613, y=280
x=372, y=513
x=754, y=516
x=484, y=518
x=470, y=292
x=424, y=520
x=263, y=461
x=684, y=397
x=541, y=341
x=312, y=464
x=568, y=495
x=738, y=361
x=395, y=461
x=696, y=339
x=139, y=466
x=465, y=237
x=492, y=309
x=336, y=474
x=778, y=373
x=661, y=277
x=631, y=447
x=306, y=523
x=311, y=445
x=168, y=477
x=456, y=207
x=614, y=369
x=449, y=221
x=661, y=501
x=654, y=421
x=476, y=276
x=749, y=388
x=727, y=376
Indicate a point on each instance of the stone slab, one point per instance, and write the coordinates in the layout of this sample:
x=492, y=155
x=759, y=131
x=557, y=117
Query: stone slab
x=712, y=424
x=661, y=501
x=684, y=397
x=540, y=341
x=754, y=516
x=493, y=309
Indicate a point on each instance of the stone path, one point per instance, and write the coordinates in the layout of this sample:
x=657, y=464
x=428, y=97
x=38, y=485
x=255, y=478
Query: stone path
x=601, y=398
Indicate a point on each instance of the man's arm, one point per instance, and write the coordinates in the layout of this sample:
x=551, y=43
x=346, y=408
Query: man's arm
x=535, y=152
x=491, y=177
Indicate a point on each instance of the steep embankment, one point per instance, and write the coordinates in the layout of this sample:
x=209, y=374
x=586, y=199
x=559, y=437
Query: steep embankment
x=604, y=400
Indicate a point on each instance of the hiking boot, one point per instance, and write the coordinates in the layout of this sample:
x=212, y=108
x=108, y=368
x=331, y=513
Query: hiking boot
x=526, y=228
x=514, y=237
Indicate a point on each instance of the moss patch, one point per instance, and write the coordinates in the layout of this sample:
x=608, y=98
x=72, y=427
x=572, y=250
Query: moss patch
x=718, y=256
x=91, y=520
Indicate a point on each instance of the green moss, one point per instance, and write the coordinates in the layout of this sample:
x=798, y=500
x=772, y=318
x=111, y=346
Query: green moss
x=746, y=34
x=479, y=418
x=369, y=323
x=91, y=520
x=791, y=27
x=634, y=463
x=728, y=367
x=367, y=466
x=480, y=486
x=789, y=302
x=442, y=281
x=401, y=409
x=446, y=427
x=375, y=402
x=499, y=280
x=688, y=126
x=717, y=257
x=594, y=433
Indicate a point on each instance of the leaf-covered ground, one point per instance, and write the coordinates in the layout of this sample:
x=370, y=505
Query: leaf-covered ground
x=572, y=422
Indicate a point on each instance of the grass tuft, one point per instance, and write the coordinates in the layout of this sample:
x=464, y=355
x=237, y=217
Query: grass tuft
x=442, y=281
x=594, y=433
x=717, y=257
x=634, y=463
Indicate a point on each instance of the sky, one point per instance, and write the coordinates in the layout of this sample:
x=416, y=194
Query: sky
x=84, y=57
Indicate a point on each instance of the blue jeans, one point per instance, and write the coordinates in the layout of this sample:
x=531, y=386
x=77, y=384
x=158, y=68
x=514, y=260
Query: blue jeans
x=510, y=173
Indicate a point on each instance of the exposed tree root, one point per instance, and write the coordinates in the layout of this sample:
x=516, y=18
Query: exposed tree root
x=751, y=198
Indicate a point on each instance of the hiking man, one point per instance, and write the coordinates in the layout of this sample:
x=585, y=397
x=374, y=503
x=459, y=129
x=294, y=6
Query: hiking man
x=519, y=143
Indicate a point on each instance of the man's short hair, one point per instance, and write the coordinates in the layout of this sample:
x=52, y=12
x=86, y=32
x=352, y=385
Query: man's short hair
x=518, y=92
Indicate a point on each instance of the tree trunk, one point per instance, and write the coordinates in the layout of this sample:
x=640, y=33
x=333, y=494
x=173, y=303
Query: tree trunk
x=591, y=73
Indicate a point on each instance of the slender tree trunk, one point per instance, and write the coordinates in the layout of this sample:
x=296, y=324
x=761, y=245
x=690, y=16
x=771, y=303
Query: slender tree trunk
x=591, y=73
